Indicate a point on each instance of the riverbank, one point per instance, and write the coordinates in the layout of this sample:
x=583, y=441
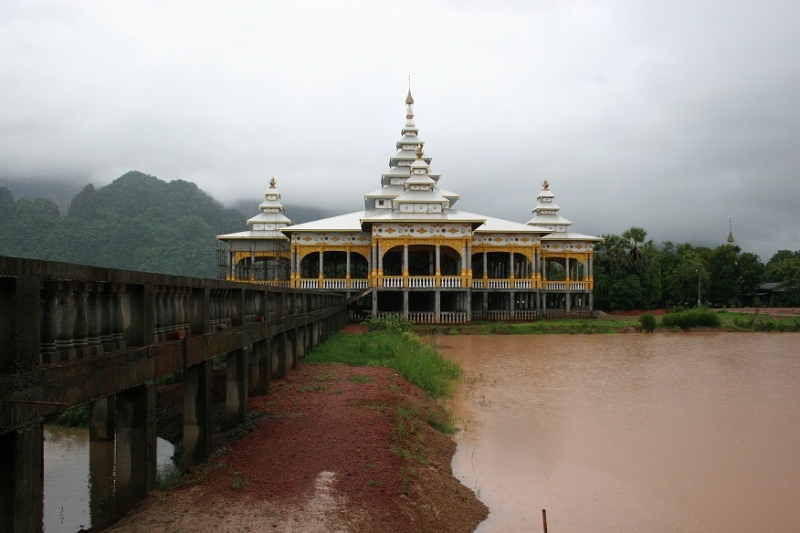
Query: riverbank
x=333, y=448
x=731, y=320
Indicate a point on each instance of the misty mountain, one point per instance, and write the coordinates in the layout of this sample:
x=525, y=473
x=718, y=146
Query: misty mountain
x=138, y=222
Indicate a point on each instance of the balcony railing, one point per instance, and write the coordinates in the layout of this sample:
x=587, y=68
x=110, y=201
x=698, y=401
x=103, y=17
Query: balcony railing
x=430, y=282
x=333, y=284
x=427, y=317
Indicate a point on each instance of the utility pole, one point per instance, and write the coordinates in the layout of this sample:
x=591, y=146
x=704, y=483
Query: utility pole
x=698, y=287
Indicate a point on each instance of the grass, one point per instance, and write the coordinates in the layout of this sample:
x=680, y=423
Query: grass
x=418, y=362
x=615, y=324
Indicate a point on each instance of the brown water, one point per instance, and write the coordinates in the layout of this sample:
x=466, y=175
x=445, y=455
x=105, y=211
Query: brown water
x=691, y=433
x=67, y=487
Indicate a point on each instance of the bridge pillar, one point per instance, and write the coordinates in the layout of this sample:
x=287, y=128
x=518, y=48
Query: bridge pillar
x=297, y=343
x=279, y=356
x=22, y=479
x=196, y=414
x=101, y=460
x=236, y=389
x=260, y=368
x=135, y=445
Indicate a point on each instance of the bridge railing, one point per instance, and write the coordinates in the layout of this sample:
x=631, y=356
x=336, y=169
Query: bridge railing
x=75, y=334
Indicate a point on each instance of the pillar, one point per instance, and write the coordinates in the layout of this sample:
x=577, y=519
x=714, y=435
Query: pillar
x=438, y=260
x=288, y=353
x=279, y=356
x=258, y=370
x=374, y=302
x=299, y=345
x=135, y=446
x=437, y=306
x=236, y=388
x=405, y=302
x=405, y=260
x=102, y=414
x=22, y=479
x=321, y=267
x=197, y=425
x=347, y=269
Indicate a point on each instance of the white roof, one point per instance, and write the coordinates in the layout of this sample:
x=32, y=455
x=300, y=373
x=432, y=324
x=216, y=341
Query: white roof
x=275, y=217
x=498, y=225
x=549, y=219
x=563, y=236
x=253, y=235
x=346, y=222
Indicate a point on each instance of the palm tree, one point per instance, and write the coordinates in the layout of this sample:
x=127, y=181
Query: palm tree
x=637, y=243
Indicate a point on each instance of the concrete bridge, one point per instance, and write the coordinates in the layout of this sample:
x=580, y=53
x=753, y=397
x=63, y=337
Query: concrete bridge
x=73, y=335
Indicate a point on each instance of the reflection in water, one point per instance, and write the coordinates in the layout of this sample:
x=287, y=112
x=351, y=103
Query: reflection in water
x=656, y=433
x=66, y=477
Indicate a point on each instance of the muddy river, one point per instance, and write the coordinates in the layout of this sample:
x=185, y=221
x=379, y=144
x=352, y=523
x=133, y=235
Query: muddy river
x=687, y=432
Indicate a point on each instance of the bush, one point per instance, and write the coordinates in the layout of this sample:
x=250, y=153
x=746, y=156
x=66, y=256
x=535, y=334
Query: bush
x=693, y=318
x=648, y=322
x=395, y=324
x=74, y=417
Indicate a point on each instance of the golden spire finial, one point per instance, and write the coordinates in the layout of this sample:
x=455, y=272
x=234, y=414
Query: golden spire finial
x=545, y=186
x=272, y=183
x=730, y=232
x=409, y=98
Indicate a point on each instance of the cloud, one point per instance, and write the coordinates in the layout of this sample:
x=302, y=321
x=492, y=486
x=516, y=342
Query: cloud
x=670, y=116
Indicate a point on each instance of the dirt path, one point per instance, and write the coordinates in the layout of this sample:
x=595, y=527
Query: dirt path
x=330, y=454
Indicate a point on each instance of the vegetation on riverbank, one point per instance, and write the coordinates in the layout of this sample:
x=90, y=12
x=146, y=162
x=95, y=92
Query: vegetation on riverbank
x=417, y=362
x=679, y=320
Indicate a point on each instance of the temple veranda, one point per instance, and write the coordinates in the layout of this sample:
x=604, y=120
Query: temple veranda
x=415, y=255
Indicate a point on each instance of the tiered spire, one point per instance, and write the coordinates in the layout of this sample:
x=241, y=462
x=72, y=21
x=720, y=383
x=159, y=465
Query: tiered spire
x=545, y=214
x=400, y=166
x=420, y=194
x=271, y=217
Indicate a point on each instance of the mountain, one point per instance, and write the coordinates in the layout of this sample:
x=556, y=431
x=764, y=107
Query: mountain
x=138, y=222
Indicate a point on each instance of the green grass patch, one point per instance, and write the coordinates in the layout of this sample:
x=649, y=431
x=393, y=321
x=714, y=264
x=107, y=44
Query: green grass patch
x=418, y=362
x=612, y=324
x=359, y=378
x=692, y=318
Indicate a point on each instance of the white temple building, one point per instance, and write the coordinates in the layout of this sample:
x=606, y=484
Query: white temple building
x=411, y=252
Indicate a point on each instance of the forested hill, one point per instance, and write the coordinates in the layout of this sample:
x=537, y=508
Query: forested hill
x=138, y=222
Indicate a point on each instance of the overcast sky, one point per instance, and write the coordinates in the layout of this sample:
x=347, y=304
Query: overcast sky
x=673, y=116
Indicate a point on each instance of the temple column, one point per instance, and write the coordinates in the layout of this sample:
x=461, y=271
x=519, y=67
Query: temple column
x=347, y=269
x=405, y=264
x=438, y=264
x=405, y=303
x=437, y=306
x=321, y=269
x=485, y=268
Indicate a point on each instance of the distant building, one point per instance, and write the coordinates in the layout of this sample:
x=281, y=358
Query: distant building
x=418, y=256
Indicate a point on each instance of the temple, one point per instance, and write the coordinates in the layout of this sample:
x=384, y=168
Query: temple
x=411, y=252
